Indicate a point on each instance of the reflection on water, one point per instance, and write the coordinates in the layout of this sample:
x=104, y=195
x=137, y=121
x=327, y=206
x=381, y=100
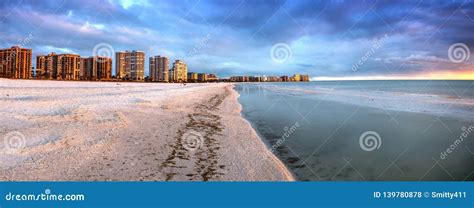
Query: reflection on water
x=391, y=130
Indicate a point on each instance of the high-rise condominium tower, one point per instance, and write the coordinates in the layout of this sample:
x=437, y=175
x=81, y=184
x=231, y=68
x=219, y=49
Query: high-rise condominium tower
x=15, y=62
x=96, y=68
x=179, y=71
x=159, y=67
x=58, y=66
x=130, y=65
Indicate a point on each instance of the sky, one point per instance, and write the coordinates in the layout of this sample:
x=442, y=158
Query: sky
x=333, y=39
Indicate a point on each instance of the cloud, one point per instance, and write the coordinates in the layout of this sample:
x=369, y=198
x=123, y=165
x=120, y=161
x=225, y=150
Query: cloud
x=326, y=37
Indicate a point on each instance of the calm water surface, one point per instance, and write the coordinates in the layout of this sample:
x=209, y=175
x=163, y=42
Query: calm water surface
x=366, y=130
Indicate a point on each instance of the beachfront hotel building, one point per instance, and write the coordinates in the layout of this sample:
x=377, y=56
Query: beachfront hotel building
x=272, y=79
x=15, y=62
x=159, y=68
x=212, y=78
x=68, y=66
x=44, y=66
x=41, y=66
x=255, y=79
x=239, y=79
x=96, y=68
x=120, y=65
x=202, y=77
x=305, y=78
x=299, y=78
x=179, y=72
x=130, y=65
x=192, y=77
x=58, y=66
x=294, y=78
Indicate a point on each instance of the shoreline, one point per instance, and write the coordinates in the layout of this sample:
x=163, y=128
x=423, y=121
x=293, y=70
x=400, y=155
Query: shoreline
x=102, y=131
x=283, y=168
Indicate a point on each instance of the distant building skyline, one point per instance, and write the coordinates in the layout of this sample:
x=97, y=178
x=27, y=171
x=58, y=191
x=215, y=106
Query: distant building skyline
x=99, y=68
x=284, y=78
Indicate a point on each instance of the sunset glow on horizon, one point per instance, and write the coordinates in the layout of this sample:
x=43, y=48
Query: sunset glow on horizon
x=433, y=75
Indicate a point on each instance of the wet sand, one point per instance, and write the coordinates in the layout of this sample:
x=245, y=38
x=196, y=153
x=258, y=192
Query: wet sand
x=91, y=131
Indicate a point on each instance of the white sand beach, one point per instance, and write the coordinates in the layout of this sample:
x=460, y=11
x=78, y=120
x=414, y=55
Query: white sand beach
x=107, y=131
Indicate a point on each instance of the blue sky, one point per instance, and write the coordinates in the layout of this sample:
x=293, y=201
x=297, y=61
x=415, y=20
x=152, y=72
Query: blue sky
x=337, y=38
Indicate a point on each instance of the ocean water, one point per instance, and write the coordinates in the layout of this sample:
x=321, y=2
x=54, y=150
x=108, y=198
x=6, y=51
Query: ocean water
x=366, y=130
